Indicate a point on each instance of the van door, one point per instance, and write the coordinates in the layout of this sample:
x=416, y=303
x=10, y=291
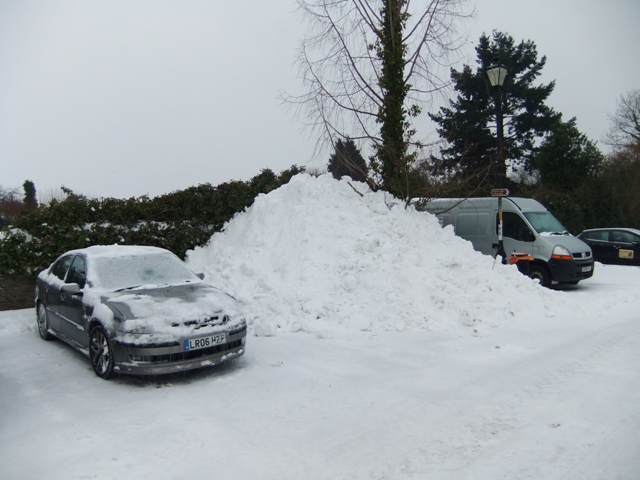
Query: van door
x=475, y=227
x=516, y=234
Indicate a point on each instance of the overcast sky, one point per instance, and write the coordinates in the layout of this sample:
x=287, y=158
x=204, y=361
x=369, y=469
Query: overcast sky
x=125, y=98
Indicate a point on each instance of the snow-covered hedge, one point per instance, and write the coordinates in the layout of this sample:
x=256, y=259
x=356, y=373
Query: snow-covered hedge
x=178, y=221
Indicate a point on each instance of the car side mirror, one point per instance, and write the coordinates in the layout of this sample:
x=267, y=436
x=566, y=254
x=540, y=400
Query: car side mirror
x=529, y=236
x=71, y=289
x=200, y=275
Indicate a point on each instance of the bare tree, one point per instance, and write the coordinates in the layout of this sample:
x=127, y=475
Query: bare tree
x=625, y=122
x=368, y=67
x=10, y=203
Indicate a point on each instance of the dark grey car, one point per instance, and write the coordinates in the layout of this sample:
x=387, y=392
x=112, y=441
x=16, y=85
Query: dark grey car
x=619, y=246
x=137, y=310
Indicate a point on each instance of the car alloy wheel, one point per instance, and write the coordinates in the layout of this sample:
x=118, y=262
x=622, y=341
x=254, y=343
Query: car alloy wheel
x=43, y=322
x=101, y=353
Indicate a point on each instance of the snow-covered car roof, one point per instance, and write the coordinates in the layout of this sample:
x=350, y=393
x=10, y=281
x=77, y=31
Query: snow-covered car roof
x=113, y=251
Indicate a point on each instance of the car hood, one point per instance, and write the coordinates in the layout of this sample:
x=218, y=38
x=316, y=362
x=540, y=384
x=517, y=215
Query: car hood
x=571, y=243
x=171, y=304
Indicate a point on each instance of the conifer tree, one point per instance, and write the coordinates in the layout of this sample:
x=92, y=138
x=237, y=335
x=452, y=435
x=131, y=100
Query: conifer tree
x=468, y=123
x=30, y=200
x=347, y=160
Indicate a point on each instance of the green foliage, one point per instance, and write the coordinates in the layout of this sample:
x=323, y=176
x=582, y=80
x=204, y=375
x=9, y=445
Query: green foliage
x=567, y=159
x=178, y=221
x=621, y=183
x=392, y=161
x=30, y=201
x=347, y=160
x=466, y=125
x=569, y=166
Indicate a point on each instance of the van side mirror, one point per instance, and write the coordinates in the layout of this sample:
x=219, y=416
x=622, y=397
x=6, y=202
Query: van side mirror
x=528, y=236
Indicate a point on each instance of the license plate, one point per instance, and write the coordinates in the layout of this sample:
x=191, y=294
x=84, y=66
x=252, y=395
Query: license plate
x=587, y=269
x=204, y=342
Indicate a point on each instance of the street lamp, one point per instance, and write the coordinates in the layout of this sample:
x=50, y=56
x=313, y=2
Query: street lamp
x=497, y=73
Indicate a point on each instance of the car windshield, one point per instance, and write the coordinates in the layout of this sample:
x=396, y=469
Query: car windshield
x=544, y=222
x=121, y=272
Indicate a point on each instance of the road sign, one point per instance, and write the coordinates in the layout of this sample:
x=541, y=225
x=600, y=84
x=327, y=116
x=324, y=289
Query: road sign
x=499, y=192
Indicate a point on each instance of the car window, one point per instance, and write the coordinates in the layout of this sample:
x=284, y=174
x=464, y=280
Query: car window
x=77, y=272
x=544, y=222
x=61, y=266
x=513, y=226
x=601, y=235
x=147, y=269
x=622, y=236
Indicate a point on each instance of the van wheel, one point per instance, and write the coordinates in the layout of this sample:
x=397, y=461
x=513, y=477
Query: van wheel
x=538, y=272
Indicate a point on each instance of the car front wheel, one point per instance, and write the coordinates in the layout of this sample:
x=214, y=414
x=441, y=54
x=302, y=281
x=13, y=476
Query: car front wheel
x=43, y=322
x=538, y=272
x=101, y=353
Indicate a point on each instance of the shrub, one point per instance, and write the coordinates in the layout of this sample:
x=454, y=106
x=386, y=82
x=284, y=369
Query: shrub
x=177, y=221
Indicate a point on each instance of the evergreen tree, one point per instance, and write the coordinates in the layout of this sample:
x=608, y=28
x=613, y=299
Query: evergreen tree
x=30, y=200
x=567, y=159
x=468, y=123
x=347, y=160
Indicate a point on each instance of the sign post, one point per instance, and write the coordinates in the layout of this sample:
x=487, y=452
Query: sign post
x=500, y=192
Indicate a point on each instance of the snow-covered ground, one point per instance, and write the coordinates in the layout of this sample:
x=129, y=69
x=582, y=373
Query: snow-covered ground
x=381, y=347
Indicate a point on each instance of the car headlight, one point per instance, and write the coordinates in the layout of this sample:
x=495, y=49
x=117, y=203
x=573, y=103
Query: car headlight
x=117, y=314
x=561, y=253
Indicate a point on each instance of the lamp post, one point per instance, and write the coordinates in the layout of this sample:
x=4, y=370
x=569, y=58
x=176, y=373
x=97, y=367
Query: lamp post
x=497, y=73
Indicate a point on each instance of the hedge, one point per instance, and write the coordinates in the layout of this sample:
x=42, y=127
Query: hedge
x=177, y=221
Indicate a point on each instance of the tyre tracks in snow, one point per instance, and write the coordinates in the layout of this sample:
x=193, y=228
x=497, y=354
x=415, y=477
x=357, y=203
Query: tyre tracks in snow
x=517, y=421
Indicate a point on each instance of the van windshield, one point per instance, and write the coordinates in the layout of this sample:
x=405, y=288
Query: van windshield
x=544, y=222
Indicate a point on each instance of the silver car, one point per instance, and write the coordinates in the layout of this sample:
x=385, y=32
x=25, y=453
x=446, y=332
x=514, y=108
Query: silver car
x=137, y=310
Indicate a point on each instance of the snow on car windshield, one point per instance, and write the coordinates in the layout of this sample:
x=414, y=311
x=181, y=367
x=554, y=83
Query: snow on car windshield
x=120, y=272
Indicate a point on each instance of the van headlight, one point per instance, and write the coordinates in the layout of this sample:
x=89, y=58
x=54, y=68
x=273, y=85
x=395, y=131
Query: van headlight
x=561, y=253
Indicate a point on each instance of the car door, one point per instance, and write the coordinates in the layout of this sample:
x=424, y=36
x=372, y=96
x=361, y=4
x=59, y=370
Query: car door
x=72, y=309
x=625, y=246
x=602, y=249
x=52, y=293
x=636, y=249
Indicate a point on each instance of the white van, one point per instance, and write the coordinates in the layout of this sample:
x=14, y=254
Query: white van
x=528, y=227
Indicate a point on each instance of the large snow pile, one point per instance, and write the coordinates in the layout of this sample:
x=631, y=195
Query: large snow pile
x=327, y=256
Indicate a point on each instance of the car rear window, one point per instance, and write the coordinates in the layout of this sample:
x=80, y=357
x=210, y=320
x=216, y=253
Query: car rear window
x=622, y=236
